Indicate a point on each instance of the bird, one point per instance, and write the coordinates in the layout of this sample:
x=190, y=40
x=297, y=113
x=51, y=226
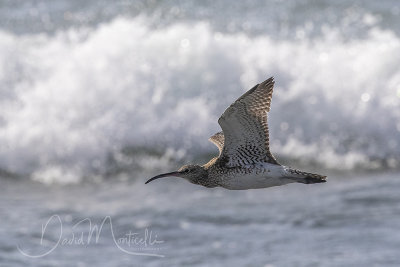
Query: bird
x=244, y=160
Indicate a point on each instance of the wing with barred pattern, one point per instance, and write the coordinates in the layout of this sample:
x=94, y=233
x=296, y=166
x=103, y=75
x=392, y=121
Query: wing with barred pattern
x=245, y=127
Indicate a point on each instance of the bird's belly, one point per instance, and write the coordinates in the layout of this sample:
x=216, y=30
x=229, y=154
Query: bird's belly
x=255, y=180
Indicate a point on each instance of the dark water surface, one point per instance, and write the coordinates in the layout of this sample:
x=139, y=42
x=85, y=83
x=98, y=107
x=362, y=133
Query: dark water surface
x=349, y=221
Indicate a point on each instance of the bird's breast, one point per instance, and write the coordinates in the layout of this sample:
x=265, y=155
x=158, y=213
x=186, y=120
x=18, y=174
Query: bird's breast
x=250, y=177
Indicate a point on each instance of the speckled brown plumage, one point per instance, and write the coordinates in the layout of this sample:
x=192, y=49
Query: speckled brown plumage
x=218, y=140
x=244, y=159
x=245, y=128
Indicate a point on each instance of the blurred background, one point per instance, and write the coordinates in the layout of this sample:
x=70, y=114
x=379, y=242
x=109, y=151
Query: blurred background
x=98, y=96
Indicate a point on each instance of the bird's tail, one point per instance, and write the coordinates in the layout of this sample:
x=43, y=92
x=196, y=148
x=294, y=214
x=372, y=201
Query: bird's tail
x=305, y=177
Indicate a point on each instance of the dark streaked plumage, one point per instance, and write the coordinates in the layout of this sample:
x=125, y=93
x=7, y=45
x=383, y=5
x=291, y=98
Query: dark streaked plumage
x=245, y=127
x=244, y=159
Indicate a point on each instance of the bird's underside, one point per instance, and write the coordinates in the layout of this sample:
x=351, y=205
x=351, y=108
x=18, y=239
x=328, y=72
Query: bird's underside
x=244, y=159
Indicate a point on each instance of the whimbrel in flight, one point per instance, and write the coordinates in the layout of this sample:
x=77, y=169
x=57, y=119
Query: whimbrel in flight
x=244, y=160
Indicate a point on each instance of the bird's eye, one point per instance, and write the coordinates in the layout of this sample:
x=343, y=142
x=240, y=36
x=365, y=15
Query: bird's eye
x=187, y=170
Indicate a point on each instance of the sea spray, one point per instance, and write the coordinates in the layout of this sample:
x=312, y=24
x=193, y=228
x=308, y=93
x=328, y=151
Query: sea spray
x=72, y=99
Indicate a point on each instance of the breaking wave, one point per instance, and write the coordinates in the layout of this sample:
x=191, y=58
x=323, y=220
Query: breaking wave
x=84, y=100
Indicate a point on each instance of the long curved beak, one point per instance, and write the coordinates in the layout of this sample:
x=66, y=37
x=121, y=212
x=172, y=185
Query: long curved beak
x=163, y=175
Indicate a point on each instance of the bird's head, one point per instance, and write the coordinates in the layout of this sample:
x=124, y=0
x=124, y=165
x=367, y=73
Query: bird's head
x=193, y=173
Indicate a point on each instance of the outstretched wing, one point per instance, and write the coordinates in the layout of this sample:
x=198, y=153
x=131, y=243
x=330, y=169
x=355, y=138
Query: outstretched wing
x=218, y=140
x=245, y=127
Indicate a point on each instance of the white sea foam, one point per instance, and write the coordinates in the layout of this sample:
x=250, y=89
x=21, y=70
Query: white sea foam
x=70, y=100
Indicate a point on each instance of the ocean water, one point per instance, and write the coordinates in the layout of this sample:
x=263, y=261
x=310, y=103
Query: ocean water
x=352, y=220
x=98, y=96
